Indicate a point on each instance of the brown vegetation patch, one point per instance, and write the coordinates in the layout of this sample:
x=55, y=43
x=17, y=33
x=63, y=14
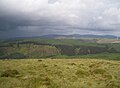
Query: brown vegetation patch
x=9, y=73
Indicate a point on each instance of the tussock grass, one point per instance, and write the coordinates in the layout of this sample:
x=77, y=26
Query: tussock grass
x=59, y=73
x=9, y=73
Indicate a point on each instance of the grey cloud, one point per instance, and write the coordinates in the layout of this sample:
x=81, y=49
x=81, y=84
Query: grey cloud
x=30, y=17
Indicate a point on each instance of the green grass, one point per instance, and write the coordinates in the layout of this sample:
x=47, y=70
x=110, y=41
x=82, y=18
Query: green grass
x=116, y=46
x=69, y=42
x=106, y=56
x=59, y=73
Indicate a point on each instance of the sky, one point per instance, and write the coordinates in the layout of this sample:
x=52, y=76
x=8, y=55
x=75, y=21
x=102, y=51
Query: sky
x=24, y=18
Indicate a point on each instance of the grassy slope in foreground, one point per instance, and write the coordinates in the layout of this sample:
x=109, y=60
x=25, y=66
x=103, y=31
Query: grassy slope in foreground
x=70, y=73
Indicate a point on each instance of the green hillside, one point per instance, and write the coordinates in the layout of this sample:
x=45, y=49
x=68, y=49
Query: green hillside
x=52, y=48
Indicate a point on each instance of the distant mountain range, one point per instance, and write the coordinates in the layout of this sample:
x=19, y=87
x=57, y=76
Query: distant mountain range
x=73, y=36
x=77, y=36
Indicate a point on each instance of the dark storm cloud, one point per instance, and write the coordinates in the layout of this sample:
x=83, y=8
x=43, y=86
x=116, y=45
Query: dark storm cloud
x=13, y=22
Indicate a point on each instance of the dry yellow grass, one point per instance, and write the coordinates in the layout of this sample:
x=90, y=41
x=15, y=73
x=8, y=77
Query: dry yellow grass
x=108, y=41
x=60, y=73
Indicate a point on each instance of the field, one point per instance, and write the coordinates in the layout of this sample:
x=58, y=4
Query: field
x=59, y=73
